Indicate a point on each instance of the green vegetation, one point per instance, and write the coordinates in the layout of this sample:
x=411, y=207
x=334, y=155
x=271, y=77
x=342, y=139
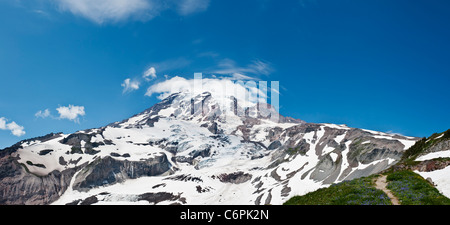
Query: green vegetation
x=420, y=146
x=299, y=149
x=355, y=192
x=412, y=153
x=412, y=189
x=409, y=187
x=291, y=151
x=446, y=134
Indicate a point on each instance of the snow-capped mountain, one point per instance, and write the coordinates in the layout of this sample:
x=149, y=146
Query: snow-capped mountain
x=193, y=150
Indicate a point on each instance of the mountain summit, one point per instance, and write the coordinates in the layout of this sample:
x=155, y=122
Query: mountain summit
x=193, y=149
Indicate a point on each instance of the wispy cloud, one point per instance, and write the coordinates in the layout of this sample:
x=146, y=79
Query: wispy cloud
x=149, y=74
x=43, y=114
x=15, y=129
x=208, y=54
x=186, y=7
x=40, y=12
x=129, y=86
x=256, y=67
x=112, y=11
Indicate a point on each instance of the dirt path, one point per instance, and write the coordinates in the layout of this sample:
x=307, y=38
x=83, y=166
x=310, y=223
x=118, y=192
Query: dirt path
x=381, y=184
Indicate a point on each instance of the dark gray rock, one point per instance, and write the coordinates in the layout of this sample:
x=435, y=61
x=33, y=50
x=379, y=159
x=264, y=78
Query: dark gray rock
x=113, y=154
x=206, y=152
x=274, y=145
x=90, y=151
x=235, y=178
x=156, y=198
x=90, y=200
x=183, y=159
x=107, y=171
x=45, y=151
x=151, y=121
x=185, y=178
x=36, y=165
x=62, y=162
x=76, y=138
x=76, y=150
x=214, y=128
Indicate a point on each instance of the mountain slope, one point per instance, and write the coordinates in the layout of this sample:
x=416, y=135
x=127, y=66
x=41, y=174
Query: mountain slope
x=419, y=178
x=430, y=158
x=193, y=150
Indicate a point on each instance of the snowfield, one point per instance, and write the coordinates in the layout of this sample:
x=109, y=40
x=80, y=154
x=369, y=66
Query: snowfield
x=434, y=155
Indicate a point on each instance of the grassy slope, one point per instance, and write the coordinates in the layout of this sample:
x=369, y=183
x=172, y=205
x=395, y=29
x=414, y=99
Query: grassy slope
x=355, y=192
x=412, y=189
x=408, y=186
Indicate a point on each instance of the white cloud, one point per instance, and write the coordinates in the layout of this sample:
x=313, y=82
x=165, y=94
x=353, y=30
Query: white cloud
x=71, y=112
x=104, y=11
x=247, y=93
x=150, y=74
x=15, y=129
x=43, y=114
x=2, y=123
x=129, y=86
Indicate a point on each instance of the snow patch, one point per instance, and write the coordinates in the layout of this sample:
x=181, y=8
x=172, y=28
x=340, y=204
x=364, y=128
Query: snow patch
x=434, y=155
x=334, y=156
x=339, y=138
x=441, y=178
x=407, y=143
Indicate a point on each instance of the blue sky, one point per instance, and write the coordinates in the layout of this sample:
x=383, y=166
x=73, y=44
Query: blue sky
x=375, y=64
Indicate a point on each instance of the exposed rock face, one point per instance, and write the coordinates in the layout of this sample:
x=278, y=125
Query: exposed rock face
x=155, y=198
x=19, y=187
x=274, y=145
x=235, y=178
x=76, y=138
x=431, y=165
x=349, y=147
x=423, y=166
x=107, y=171
x=440, y=146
